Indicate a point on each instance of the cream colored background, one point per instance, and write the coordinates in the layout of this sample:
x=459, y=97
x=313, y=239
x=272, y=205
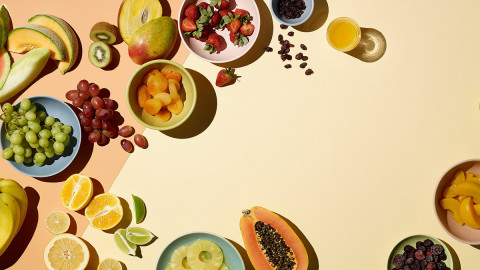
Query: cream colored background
x=350, y=154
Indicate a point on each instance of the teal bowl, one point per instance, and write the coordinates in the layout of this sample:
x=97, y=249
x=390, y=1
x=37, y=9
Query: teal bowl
x=411, y=240
x=231, y=257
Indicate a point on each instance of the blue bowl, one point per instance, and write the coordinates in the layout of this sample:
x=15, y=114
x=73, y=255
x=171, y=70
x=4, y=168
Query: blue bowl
x=62, y=112
x=231, y=257
x=292, y=22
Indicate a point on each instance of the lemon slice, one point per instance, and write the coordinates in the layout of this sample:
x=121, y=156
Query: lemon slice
x=66, y=249
x=139, y=236
x=123, y=244
x=109, y=264
x=57, y=222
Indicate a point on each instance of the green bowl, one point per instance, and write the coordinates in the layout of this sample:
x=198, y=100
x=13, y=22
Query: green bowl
x=411, y=240
x=188, y=93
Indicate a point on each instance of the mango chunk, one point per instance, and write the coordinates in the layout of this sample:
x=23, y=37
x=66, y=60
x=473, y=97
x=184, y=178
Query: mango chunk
x=468, y=213
x=467, y=188
x=453, y=206
x=458, y=178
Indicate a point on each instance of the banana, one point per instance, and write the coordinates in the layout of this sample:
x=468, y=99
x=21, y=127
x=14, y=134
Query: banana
x=16, y=190
x=11, y=202
x=7, y=226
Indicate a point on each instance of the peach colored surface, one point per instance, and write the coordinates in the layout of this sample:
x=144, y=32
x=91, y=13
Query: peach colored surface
x=104, y=163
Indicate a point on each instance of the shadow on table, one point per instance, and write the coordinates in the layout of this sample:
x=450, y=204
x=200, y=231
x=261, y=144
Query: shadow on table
x=372, y=46
x=317, y=19
x=94, y=259
x=243, y=253
x=203, y=113
x=263, y=40
x=115, y=55
x=455, y=260
x=25, y=234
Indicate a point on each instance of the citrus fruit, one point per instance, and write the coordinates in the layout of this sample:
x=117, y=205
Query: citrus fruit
x=139, y=209
x=123, y=244
x=109, y=264
x=57, y=222
x=76, y=192
x=139, y=236
x=66, y=250
x=104, y=211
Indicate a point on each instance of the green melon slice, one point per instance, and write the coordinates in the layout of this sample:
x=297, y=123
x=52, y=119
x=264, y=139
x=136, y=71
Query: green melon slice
x=26, y=38
x=4, y=25
x=66, y=34
x=23, y=72
x=4, y=66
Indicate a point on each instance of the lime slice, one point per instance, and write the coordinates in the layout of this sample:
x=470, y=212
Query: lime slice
x=109, y=264
x=139, y=236
x=139, y=209
x=123, y=244
x=57, y=222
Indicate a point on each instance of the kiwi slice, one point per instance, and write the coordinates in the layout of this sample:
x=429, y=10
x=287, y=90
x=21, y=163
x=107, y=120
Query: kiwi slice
x=100, y=54
x=103, y=31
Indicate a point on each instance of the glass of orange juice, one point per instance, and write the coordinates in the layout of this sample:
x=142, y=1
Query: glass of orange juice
x=343, y=34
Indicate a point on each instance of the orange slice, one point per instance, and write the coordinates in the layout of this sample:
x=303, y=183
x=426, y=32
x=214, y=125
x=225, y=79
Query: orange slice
x=104, y=211
x=76, y=192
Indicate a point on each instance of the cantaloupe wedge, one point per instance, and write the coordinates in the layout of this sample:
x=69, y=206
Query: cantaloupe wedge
x=26, y=38
x=66, y=34
x=23, y=72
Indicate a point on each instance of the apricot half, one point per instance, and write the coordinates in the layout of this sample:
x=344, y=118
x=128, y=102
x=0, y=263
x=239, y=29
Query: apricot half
x=453, y=206
x=458, y=178
x=468, y=213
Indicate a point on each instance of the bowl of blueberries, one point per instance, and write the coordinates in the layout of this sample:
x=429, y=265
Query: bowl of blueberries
x=292, y=12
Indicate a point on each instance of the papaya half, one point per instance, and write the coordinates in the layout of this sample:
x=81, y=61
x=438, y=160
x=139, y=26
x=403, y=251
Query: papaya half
x=270, y=242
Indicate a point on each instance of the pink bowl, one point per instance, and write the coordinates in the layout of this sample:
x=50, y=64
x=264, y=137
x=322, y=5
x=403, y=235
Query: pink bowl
x=232, y=52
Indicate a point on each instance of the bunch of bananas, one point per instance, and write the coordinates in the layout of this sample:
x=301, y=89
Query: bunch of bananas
x=13, y=208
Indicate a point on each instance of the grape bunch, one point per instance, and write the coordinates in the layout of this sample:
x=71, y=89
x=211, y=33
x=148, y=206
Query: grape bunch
x=34, y=136
x=97, y=113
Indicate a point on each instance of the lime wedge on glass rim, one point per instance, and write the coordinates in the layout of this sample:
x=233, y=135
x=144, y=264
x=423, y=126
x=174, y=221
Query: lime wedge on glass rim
x=123, y=244
x=139, y=236
x=139, y=209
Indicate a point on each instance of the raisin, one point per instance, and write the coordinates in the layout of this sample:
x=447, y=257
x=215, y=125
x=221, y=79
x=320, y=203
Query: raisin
x=288, y=66
x=283, y=57
x=309, y=72
x=283, y=26
x=303, y=47
x=269, y=49
x=291, y=33
x=291, y=9
x=305, y=58
x=299, y=56
x=288, y=56
x=280, y=37
x=303, y=65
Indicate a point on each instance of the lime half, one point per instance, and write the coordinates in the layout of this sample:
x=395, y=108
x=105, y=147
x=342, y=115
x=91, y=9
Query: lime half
x=139, y=209
x=139, y=236
x=123, y=244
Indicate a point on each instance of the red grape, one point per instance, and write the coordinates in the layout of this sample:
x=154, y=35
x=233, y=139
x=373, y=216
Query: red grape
x=103, y=140
x=127, y=145
x=87, y=105
x=82, y=85
x=87, y=128
x=102, y=114
x=85, y=121
x=97, y=103
x=140, y=140
x=83, y=95
x=97, y=123
x=104, y=93
x=110, y=103
x=106, y=125
x=78, y=102
x=126, y=131
x=94, y=136
x=110, y=133
x=110, y=112
x=72, y=95
x=94, y=90
x=88, y=113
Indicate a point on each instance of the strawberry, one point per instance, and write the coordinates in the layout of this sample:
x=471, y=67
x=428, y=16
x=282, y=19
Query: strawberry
x=233, y=37
x=243, y=15
x=202, y=35
x=220, y=4
x=224, y=12
x=188, y=25
x=214, y=43
x=203, y=5
x=226, y=16
x=247, y=29
x=234, y=25
x=225, y=77
x=192, y=12
x=214, y=20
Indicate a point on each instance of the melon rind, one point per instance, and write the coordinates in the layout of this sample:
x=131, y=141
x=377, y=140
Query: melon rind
x=65, y=32
x=5, y=69
x=19, y=38
x=23, y=72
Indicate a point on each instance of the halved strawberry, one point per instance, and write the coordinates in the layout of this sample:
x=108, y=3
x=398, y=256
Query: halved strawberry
x=188, y=25
x=247, y=29
x=234, y=25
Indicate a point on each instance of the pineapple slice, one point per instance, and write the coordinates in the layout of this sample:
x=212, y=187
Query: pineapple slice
x=179, y=261
x=204, y=255
x=224, y=267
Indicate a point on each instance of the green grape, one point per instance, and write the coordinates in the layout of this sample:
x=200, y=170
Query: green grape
x=28, y=160
x=25, y=104
x=7, y=136
x=36, y=121
x=33, y=108
x=38, y=163
x=16, y=138
x=58, y=148
x=49, y=121
x=35, y=127
x=60, y=137
x=6, y=117
x=40, y=149
x=18, y=150
x=67, y=141
x=55, y=131
x=25, y=129
x=41, y=115
x=34, y=145
x=49, y=154
x=67, y=129
x=43, y=142
x=31, y=137
x=28, y=152
x=7, y=108
x=7, y=153
x=57, y=125
x=21, y=111
x=40, y=157
x=30, y=116
x=49, y=148
x=19, y=158
x=11, y=125
x=22, y=120
x=45, y=134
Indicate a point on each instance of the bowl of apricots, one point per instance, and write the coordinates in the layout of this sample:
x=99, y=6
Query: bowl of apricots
x=457, y=201
x=161, y=94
